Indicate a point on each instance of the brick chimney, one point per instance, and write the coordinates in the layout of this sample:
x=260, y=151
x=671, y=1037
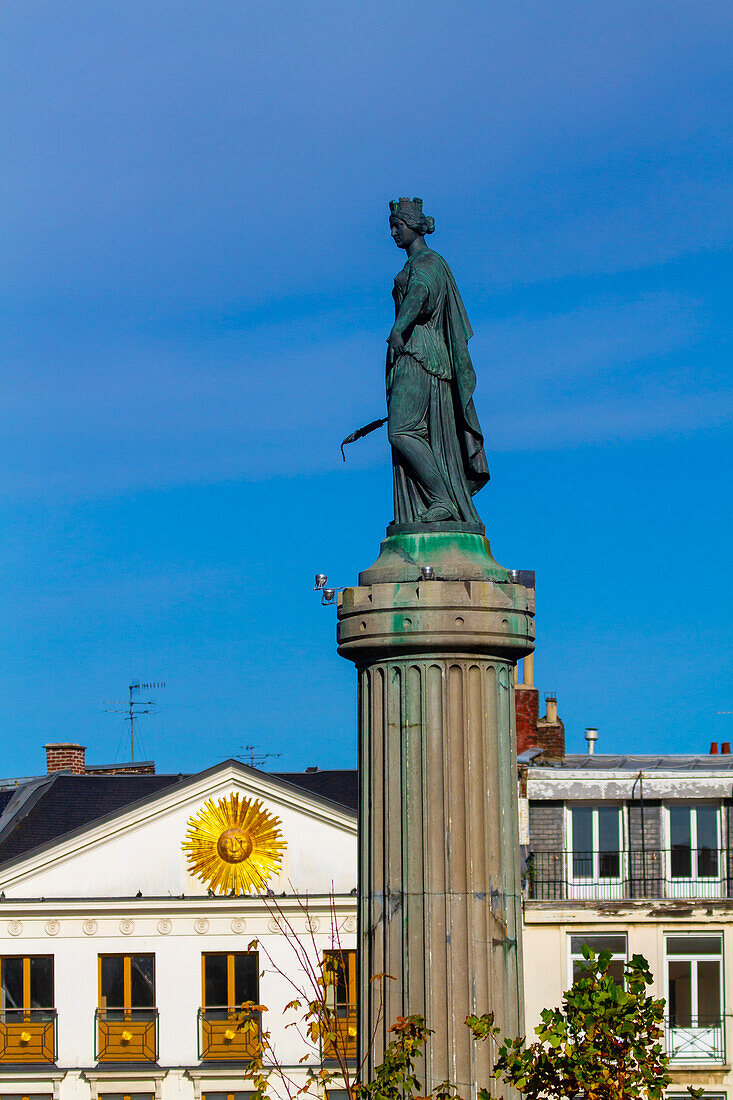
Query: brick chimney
x=65, y=756
x=550, y=730
x=546, y=733
x=526, y=706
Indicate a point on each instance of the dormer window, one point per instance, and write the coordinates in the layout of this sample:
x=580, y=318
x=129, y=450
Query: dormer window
x=694, y=855
x=595, y=843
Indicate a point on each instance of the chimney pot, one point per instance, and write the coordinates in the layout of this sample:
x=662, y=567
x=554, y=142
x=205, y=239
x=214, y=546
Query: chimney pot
x=528, y=670
x=551, y=703
x=725, y=748
x=591, y=736
x=713, y=748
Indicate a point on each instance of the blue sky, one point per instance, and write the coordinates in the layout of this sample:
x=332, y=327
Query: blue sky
x=195, y=273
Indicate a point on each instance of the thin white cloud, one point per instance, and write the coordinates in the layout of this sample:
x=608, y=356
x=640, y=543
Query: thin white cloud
x=258, y=404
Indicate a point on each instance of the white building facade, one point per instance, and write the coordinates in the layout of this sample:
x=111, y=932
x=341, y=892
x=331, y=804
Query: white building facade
x=122, y=972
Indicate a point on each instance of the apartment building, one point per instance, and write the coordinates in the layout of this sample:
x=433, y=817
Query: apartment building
x=121, y=970
x=632, y=854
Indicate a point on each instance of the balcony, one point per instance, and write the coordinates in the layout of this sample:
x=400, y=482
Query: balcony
x=126, y=1034
x=607, y=876
x=221, y=1039
x=344, y=1027
x=694, y=1041
x=28, y=1036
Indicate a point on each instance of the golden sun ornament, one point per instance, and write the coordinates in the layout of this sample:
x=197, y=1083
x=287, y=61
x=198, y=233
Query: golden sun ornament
x=234, y=845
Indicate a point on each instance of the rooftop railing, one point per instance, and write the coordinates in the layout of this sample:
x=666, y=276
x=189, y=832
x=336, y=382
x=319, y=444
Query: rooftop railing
x=624, y=875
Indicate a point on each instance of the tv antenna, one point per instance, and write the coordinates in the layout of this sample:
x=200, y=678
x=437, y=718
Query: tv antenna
x=135, y=707
x=256, y=760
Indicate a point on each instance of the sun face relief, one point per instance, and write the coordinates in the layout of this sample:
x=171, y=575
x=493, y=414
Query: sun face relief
x=234, y=845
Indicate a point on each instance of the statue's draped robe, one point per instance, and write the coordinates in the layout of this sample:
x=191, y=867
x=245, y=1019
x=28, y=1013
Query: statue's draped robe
x=430, y=393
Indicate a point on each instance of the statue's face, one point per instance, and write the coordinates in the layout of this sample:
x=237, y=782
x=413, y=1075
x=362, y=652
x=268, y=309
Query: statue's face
x=402, y=235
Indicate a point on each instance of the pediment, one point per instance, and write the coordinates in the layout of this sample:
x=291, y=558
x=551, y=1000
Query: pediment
x=140, y=849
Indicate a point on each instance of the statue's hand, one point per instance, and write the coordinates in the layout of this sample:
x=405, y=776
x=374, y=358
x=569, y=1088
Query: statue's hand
x=396, y=343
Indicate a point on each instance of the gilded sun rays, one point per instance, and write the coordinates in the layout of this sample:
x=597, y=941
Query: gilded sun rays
x=234, y=845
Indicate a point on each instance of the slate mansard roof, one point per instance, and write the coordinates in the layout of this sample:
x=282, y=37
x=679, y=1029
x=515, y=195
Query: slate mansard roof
x=606, y=762
x=38, y=811
x=337, y=786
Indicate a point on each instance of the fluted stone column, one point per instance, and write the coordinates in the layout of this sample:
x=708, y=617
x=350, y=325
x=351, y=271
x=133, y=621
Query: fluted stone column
x=439, y=889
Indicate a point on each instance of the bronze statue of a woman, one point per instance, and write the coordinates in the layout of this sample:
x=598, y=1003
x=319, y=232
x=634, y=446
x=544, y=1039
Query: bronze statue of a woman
x=437, y=445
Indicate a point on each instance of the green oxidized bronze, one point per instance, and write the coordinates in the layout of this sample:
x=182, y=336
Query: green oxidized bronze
x=437, y=445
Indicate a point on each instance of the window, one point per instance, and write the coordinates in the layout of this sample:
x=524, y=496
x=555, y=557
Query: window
x=694, y=842
x=339, y=972
x=595, y=843
x=26, y=987
x=694, y=997
x=32, y=1096
x=27, y=1015
x=129, y=1096
x=228, y=981
x=597, y=943
x=339, y=968
x=238, y=1096
x=127, y=1019
x=686, y=1096
x=126, y=985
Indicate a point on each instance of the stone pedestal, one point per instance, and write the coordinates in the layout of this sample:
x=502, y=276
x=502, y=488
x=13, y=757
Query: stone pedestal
x=439, y=888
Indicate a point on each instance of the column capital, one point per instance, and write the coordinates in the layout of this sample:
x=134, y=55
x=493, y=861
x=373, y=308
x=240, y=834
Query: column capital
x=472, y=617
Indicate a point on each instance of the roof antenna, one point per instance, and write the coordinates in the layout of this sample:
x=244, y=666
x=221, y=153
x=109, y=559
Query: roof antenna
x=130, y=705
x=257, y=760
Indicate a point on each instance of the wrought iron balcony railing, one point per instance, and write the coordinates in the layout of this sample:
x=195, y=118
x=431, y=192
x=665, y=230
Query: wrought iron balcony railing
x=695, y=1040
x=222, y=1039
x=126, y=1034
x=28, y=1035
x=344, y=1022
x=605, y=876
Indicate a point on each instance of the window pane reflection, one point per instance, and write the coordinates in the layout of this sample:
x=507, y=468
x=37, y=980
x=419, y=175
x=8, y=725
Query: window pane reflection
x=582, y=825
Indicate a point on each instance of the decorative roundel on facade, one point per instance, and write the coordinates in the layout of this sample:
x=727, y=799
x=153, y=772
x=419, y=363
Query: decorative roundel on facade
x=164, y=926
x=313, y=924
x=239, y=925
x=350, y=924
x=89, y=927
x=15, y=927
x=52, y=927
x=234, y=845
x=127, y=927
x=201, y=925
x=274, y=925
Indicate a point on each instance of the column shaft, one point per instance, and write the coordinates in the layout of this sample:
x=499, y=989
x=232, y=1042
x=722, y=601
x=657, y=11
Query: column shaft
x=439, y=887
x=440, y=893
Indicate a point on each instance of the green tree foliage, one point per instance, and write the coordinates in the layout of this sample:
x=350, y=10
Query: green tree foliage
x=395, y=1078
x=604, y=1043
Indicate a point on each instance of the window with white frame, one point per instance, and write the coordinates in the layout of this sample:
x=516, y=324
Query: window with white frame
x=694, y=841
x=695, y=997
x=616, y=944
x=686, y=1096
x=595, y=842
